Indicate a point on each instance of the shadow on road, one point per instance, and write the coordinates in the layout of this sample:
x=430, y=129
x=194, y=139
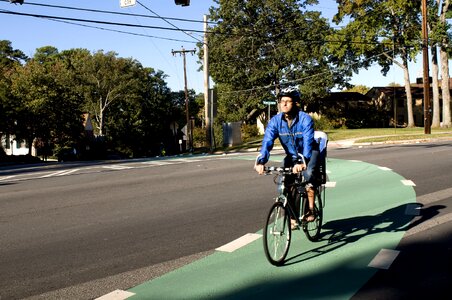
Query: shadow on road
x=342, y=232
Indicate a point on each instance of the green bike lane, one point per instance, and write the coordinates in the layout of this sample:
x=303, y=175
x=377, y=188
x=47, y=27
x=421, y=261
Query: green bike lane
x=367, y=211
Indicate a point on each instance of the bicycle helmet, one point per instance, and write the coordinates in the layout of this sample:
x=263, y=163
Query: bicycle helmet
x=291, y=92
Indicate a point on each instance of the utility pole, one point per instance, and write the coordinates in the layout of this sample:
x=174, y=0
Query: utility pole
x=187, y=115
x=208, y=99
x=426, y=80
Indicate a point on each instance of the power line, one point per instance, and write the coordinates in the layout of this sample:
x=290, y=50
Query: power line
x=111, y=12
x=124, y=32
x=168, y=22
x=97, y=21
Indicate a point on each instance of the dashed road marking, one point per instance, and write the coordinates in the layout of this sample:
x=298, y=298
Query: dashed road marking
x=384, y=259
x=240, y=242
x=385, y=169
x=413, y=209
x=116, y=295
x=408, y=183
x=330, y=184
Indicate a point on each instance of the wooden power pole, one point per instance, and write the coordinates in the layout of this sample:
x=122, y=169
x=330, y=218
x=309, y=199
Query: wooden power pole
x=426, y=80
x=187, y=115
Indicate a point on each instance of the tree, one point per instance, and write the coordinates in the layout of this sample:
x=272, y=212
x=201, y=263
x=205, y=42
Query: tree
x=50, y=109
x=444, y=57
x=258, y=46
x=359, y=89
x=380, y=31
x=9, y=59
x=108, y=79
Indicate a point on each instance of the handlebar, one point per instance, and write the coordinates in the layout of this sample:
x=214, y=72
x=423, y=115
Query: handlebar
x=280, y=170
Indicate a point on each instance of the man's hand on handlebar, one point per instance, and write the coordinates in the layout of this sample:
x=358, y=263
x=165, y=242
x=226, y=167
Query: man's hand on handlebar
x=298, y=168
x=259, y=169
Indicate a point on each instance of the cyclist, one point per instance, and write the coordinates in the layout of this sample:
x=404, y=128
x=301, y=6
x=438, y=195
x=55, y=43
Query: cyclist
x=295, y=130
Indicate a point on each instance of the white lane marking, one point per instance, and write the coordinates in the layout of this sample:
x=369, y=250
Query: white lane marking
x=240, y=242
x=158, y=163
x=384, y=169
x=116, y=295
x=413, y=209
x=54, y=174
x=426, y=225
x=69, y=172
x=408, y=182
x=355, y=161
x=7, y=177
x=384, y=259
x=435, y=196
x=60, y=173
x=330, y=184
x=117, y=167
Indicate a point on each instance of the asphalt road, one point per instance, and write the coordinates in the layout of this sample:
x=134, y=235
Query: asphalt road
x=82, y=230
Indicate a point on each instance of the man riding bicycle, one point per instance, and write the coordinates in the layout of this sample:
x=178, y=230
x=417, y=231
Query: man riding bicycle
x=295, y=130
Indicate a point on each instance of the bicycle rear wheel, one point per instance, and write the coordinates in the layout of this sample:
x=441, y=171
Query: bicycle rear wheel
x=312, y=229
x=277, y=234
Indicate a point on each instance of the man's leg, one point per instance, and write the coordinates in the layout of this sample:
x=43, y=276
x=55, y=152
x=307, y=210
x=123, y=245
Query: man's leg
x=309, y=176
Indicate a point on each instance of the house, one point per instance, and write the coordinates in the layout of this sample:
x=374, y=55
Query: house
x=21, y=147
x=393, y=99
x=16, y=147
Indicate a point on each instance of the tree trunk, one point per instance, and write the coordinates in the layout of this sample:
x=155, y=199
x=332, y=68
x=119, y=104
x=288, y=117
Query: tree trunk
x=435, y=88
x=445, y=69
x=445, y=87
x=409, y=97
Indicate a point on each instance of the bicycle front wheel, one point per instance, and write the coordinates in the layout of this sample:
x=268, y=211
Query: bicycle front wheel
x=277, y=234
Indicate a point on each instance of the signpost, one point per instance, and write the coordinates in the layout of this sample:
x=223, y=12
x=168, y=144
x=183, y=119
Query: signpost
x=127, y=3
x=269, y=102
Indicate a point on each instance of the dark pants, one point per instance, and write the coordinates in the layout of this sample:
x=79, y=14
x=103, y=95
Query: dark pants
x=309, y=176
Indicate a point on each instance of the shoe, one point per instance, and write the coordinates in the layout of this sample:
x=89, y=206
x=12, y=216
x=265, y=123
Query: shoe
x=310, y=216
x=294, y=224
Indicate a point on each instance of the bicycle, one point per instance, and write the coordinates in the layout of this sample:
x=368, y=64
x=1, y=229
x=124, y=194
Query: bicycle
x=277, y=231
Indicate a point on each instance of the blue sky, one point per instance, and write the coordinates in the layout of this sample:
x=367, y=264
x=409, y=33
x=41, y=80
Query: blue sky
x=152, y=50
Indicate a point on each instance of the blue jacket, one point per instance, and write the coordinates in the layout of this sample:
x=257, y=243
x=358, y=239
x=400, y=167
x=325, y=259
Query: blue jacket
x=296, y=139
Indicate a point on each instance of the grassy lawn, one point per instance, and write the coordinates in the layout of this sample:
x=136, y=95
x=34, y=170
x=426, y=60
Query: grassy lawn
x=366, y=135
x=386, y=134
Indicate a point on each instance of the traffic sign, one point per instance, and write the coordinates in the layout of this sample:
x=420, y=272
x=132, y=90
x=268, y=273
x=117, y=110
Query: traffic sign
x=269, y=102
x=127, y=3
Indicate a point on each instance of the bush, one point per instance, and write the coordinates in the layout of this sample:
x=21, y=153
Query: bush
x=249, y=131
x=323, y=123
x=199, y=137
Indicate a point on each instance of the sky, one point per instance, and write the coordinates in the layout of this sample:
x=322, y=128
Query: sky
x=152, y=47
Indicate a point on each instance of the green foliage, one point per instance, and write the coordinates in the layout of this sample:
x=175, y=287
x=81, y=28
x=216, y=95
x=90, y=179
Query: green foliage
x=324, y=123
x=199, y=137
x=359, y=89
x=376, y=31
x=249, y=131
x=257, y=46
x=133, y=110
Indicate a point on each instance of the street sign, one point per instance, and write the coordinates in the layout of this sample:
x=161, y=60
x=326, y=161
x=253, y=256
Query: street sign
x=269, y=102
x=127, y=3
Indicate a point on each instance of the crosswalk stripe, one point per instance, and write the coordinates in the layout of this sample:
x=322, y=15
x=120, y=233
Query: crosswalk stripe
x=6, y=177
x=117, y=167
